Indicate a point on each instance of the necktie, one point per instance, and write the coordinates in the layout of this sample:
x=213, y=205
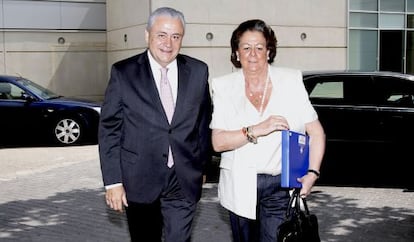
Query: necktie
x=168, y=104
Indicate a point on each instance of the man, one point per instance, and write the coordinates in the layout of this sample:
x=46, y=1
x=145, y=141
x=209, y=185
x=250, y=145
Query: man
x=151, y=160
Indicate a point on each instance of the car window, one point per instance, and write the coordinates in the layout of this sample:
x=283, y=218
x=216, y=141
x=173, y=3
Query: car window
x=341, y=89
x=401, y=100
x=9, y=91
x=16, y=92
x=37, y=89
x=328, y=90
x=325, y=90
x=5, y=91
x=359, y=90
x=395, y=92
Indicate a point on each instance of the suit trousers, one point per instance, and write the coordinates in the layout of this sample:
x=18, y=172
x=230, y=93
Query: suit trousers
x=170, y=216
x=272, y=202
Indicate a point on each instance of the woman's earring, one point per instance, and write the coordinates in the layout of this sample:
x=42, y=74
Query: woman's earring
x=238, y=59
x=268, y=58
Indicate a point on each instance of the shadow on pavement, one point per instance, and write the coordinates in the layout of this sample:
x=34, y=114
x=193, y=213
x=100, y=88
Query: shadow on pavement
x=78, y=215
x=343, y=219
x=81, y=215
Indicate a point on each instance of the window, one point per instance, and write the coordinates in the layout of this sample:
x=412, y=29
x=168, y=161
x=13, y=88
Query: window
x=328, y=90
x=5, y=91
x=368, y=47
x=363, y=47
x=395, y=92
x=17, y=92
x=367, y=5
x=410, y=21
x=358, y=90
x=392, y=5
x=392, y=21
x=366, y=20
x=410, y=5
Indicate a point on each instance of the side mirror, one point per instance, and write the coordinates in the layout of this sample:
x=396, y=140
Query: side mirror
x=27, y=97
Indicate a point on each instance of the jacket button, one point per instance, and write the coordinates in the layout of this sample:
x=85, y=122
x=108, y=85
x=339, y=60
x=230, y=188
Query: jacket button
x=164, y=155
x=169, y=131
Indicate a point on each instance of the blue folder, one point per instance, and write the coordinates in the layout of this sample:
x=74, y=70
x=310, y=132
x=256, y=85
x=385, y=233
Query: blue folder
x=295, y=158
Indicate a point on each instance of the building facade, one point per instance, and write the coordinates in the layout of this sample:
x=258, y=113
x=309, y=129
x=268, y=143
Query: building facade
x=58, y=44
x=311, y=34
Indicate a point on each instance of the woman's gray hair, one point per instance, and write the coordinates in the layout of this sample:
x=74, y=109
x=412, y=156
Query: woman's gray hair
x=165, y=11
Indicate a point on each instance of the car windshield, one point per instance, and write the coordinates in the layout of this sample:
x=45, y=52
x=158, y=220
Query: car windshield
x=37, y=89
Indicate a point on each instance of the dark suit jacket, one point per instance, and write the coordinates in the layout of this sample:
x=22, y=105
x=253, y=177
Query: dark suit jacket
x=134, y=133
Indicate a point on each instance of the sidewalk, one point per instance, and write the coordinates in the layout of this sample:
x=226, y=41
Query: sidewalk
x=55, y=194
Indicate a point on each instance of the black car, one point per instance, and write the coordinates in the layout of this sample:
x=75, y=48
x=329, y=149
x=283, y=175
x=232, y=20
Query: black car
x=368, y=119
x=31, y=113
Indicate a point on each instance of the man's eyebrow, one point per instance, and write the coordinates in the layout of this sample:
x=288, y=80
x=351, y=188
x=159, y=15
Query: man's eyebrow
x=163, y=32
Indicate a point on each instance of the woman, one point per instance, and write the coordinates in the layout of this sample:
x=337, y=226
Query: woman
x=251, y=106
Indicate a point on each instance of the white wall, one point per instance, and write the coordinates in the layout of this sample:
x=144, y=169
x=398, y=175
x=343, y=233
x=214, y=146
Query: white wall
x=126, y=19
x=323, y=21
x=29, y=44
x=30, y=31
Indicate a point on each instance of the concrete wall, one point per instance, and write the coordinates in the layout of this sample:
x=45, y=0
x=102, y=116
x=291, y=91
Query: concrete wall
x=323, y=21
x=80, y=66
x=126, y=23
x=29, y=47
x=76, y=68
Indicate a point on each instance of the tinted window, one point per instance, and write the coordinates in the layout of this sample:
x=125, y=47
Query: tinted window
x=325, y=90
x=328, y=90
x=5, y=91
x=341, y=90
x=360, y=90
x=395, y=92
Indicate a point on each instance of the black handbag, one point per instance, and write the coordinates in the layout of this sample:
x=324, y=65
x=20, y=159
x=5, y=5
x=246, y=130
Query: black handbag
x=299, y=225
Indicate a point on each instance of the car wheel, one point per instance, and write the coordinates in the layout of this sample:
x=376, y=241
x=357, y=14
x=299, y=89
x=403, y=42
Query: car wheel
x=68, y=131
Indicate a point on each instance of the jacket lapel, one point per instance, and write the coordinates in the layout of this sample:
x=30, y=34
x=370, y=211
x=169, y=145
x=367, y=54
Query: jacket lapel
x=183, y=86
x=147, y=87
x=236, y=90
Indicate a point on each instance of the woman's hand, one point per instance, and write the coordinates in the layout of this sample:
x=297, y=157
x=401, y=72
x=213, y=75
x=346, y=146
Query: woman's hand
x=307, y=181
x=271, y=124
x=232, y=139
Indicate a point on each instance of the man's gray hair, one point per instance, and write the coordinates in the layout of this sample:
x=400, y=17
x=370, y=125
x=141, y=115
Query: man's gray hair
x=165, y=11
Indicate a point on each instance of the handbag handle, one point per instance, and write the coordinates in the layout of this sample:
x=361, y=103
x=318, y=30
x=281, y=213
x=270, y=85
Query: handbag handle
x=295, y=200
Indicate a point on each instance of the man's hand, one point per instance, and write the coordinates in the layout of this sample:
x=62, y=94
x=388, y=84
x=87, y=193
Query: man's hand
x=116, y=198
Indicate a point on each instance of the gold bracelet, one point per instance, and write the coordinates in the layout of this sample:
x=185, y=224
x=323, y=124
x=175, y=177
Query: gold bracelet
x=244, y=131
x=250, y=136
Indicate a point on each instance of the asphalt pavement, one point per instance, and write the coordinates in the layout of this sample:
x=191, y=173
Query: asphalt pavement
x=55, y=194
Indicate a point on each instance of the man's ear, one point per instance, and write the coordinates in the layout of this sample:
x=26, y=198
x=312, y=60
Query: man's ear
x=146, y=36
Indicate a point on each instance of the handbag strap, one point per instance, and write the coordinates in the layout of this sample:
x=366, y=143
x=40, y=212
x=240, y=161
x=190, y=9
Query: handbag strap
x=303, y=199
x=295, y=200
